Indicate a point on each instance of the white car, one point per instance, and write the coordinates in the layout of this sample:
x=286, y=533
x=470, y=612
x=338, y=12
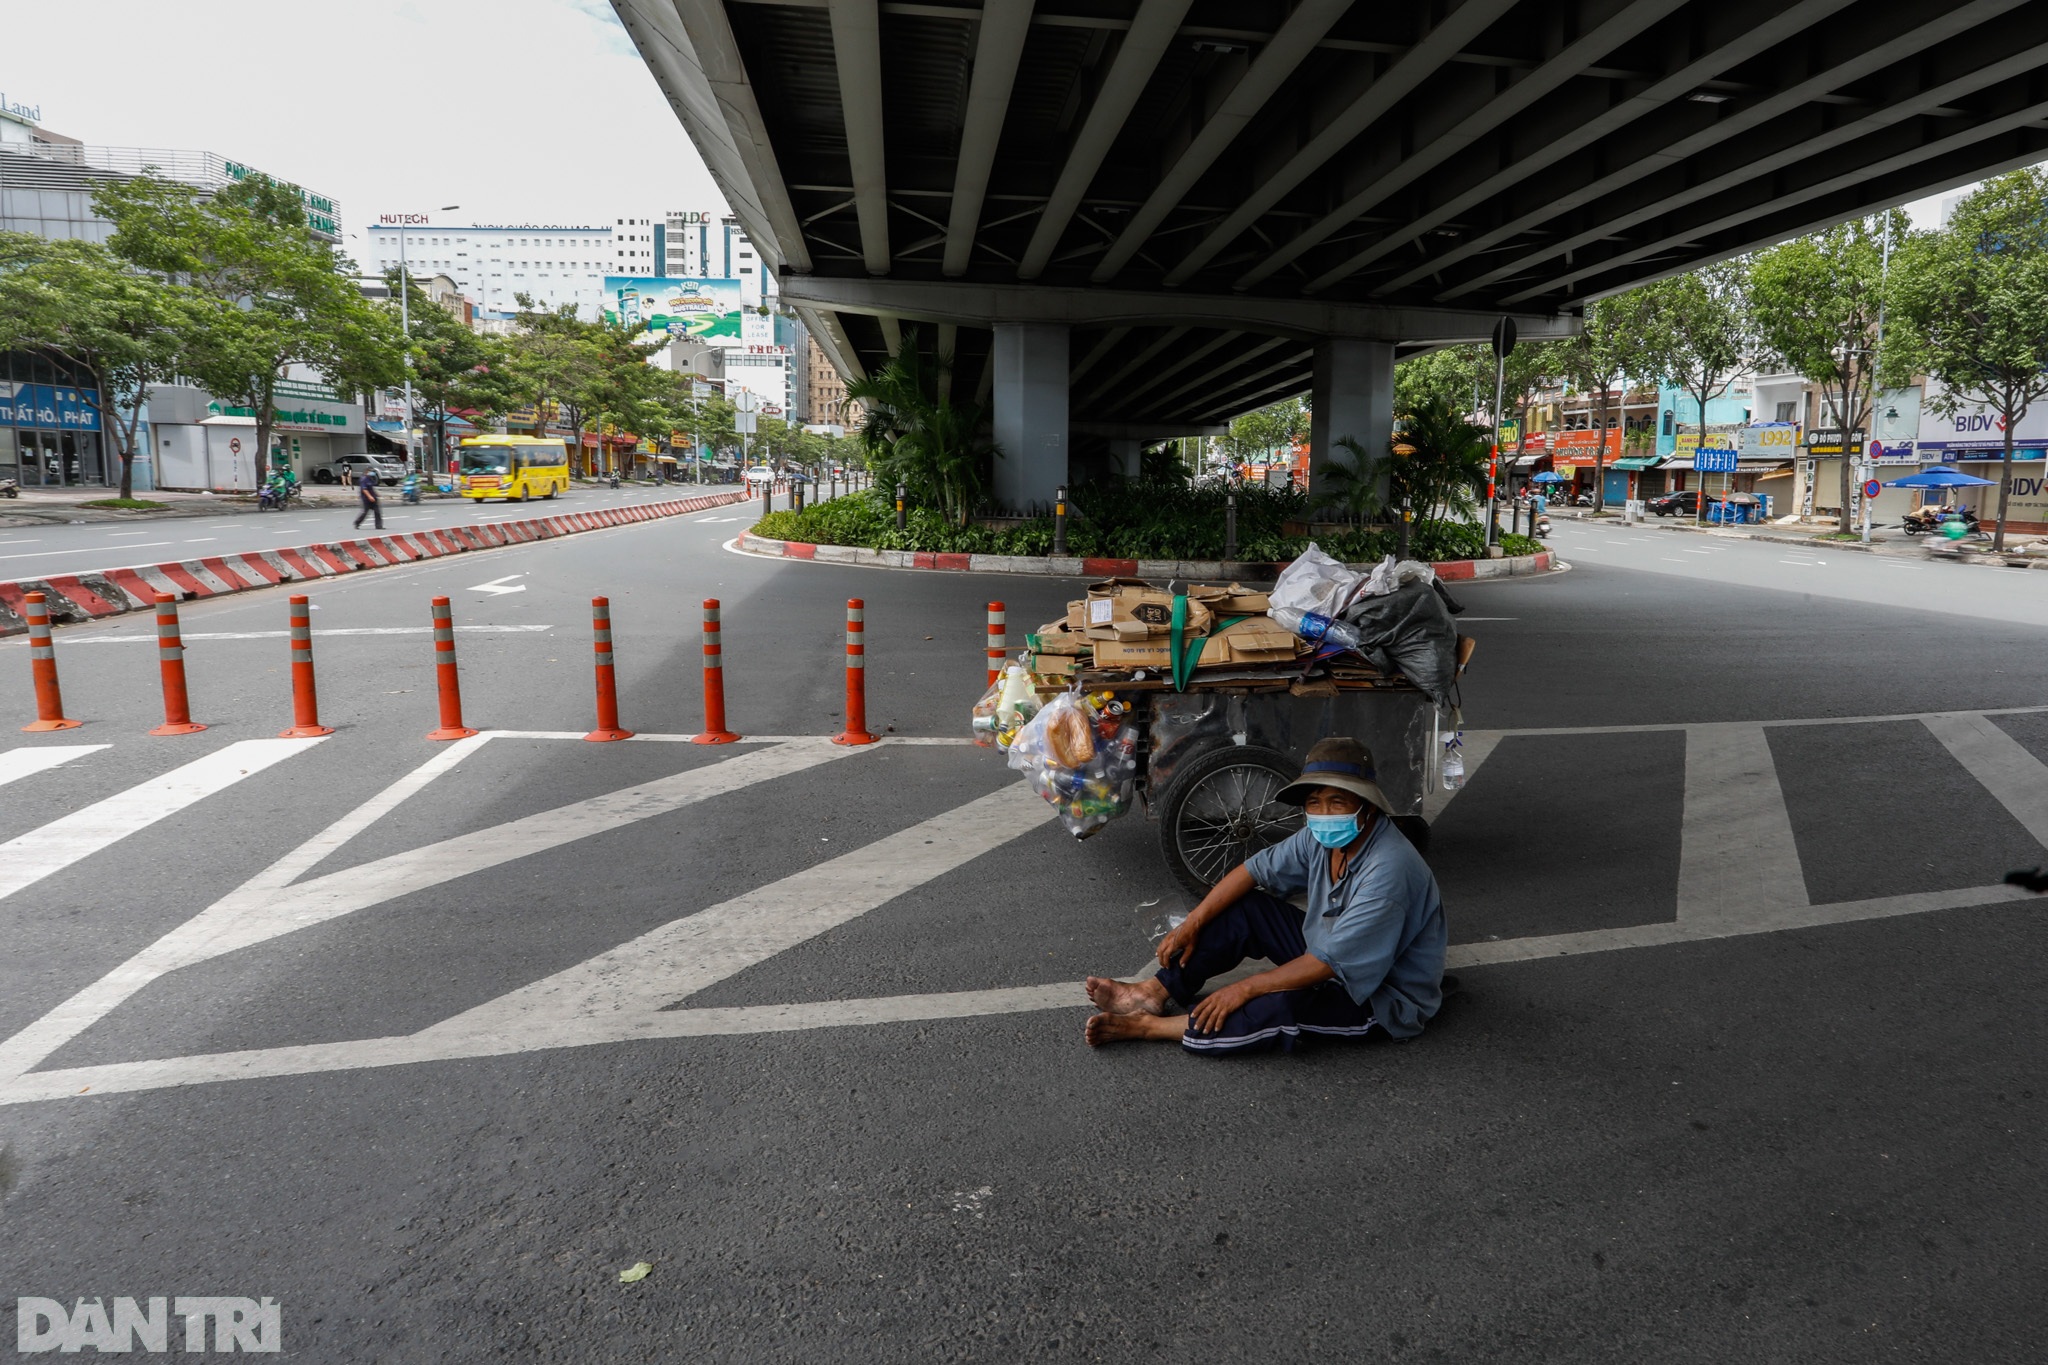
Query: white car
x=346, y=469
x=758, y=475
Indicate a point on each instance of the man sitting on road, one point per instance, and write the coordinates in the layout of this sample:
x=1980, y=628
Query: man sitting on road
x=1368, y=953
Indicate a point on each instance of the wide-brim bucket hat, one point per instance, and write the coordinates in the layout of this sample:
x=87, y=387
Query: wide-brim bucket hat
x=1340, y=762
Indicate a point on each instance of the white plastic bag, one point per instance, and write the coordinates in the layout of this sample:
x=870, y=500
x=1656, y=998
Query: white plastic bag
x=1388, y=575
x=1315, y=582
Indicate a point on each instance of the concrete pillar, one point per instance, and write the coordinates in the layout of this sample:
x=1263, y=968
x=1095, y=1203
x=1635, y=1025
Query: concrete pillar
x=1030, y=395
x=1353, y=396
x=1127, y=454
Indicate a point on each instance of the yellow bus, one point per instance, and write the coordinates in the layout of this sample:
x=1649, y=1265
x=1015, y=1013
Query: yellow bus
x=513, y=467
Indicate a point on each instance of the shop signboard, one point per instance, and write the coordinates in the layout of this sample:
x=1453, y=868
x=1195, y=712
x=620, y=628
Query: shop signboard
x=1579, y=446
x=1769, y=441
x=58, y=406
x=705, y=310
x=1828, y=441
x=1975, y=432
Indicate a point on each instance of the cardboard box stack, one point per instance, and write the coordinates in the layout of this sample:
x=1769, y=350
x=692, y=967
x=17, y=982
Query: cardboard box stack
x=1125, y=624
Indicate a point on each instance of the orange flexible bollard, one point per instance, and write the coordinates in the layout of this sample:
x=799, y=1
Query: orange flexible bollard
x=607, y=691
x=445, y=676
x=170, y=654
x=714, y=731
x=42, y=666
x=998, y=636
x=305, y=699
x=856, y=731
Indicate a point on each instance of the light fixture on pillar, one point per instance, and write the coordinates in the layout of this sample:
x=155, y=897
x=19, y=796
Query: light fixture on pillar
x=1059, y=521
x=1402, y=450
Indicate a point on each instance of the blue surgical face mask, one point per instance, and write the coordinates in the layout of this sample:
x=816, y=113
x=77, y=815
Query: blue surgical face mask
x=1333, y=831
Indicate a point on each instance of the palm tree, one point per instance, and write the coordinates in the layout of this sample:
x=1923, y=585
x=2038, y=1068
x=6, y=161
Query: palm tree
x=915, y=435
x=1353, y=488
x=1446, y=473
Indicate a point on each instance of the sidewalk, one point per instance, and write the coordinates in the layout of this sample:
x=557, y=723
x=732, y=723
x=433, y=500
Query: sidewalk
x=66, y=506
x=1891, y=542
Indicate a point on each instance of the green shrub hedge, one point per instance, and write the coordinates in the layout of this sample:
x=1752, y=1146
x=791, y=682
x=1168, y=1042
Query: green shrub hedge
x=1125, y=523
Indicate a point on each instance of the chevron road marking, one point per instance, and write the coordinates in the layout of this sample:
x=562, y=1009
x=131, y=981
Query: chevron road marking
x=16, y=764
x=53, y=847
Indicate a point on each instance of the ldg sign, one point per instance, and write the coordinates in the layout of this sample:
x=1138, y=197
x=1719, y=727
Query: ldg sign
x=1978, y=421
x=238, y=1325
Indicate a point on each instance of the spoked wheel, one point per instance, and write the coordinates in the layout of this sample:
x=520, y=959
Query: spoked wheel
x=1220, y=809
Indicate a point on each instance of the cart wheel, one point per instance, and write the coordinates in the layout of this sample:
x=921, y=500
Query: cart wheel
x=1219, y=810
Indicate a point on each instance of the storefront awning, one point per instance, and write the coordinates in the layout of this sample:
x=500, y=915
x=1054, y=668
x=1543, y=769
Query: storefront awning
x=1634, y=462
x=1677, y=461
x=1763, y=466
x=1526, y=462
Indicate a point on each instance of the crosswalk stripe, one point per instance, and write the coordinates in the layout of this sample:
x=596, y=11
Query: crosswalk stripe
x=16, y=764
x=2001, y=764
x=53, y=847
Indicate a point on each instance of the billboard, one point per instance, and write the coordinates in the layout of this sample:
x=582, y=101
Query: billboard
x=700, y=309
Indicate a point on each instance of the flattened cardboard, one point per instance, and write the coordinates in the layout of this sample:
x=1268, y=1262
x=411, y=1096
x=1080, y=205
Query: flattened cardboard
x=1256, y=639
x=1235, y=600
x=1133, y=654
x=1131, y=609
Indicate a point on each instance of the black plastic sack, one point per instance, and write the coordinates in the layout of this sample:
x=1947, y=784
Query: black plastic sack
x=1409, y=631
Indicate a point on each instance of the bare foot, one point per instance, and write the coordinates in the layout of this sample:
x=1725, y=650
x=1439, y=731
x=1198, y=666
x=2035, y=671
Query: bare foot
x=1122, y=997
x=1116, y=1028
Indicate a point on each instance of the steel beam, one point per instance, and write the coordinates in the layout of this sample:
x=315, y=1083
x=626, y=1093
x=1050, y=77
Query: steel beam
x=1874, y=46
x=1493, y=110
x=997, y=49
x=1401, y=79
x=1269, y=71
x=1151, y=33
x=1136, y=362
x=984, y=305
x=1235, y=364
x=689, y=47
x=857, y=51
x=1568, y=126
x=1161, y=375
x=1145, y=431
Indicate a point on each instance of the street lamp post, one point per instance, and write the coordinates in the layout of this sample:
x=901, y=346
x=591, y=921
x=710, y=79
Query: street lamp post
x=412, y=454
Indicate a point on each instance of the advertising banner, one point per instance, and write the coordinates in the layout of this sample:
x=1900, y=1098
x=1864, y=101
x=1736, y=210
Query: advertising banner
x=700, y=309
x=1975, y=432
x=1770, y=441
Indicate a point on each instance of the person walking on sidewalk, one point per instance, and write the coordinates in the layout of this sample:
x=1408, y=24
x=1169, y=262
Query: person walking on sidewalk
x=1366, y=957
x=366, y=491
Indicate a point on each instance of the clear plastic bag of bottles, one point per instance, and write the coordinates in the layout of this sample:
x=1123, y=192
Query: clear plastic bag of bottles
x=1008, y=705
x=1080, y=753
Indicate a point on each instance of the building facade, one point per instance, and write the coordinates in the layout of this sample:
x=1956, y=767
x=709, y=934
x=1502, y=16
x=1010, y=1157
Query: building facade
x=700, y=243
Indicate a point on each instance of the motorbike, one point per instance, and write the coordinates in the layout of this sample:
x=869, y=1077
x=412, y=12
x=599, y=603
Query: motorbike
x=1928, y=520
x=275, y=495
x=411, y=491
x=612, y=480
x=9, y=489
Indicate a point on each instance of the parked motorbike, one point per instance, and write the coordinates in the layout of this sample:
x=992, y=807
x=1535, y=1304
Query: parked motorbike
x=1582, y=500
x=9, y=489
x=1928, y=520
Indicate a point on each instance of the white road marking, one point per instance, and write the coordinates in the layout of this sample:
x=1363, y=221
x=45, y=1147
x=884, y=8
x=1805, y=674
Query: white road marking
x=16, y=764
x=53, y=847
x=264, y=908
x=496, y=587
x=202, y=540
x=118, y=534
x=1737, y=859
x=95, y=550
x=2002, y=764
x=687, y=955
x=20, y=542
x=189, y=636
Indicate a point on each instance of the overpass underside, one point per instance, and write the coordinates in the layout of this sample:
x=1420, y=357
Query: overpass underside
x=1131, y=218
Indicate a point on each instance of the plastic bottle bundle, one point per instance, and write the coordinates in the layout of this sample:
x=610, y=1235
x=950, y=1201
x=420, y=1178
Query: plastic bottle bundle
x=1008, y=705
x=1081, y=754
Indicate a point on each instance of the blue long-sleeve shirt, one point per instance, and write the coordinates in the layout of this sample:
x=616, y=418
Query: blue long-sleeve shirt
x=1380, y=927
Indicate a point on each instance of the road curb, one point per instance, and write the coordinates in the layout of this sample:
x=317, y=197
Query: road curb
x=1062, y=566
x=111, y=592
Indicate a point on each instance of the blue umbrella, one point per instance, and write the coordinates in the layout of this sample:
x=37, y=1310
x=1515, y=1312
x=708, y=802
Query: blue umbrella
x=1941, y=478
x=1548, y=476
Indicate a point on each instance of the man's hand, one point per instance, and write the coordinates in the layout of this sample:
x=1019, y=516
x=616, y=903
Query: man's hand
x=1179, y=945
x=1209, y=1012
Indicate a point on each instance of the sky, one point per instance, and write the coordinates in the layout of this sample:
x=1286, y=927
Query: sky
x=516, y=110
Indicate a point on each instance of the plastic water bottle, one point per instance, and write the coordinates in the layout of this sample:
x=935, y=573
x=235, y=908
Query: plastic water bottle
x=1454, y=761
x=1315, y=627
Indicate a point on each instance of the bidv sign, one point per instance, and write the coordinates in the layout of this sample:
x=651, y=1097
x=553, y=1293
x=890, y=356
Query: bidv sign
x=145, y=1324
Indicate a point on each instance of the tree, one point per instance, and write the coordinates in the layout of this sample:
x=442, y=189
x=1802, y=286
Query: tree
x=1261, y=431
x=121, y=326
x=454, y=368
x=1700, y=334
x=1973, y=309
x=1353, y=486
x=1818, y=302
x=1453, y=375
x=551, y=364
x=267, y=294
x=917, y=436
x=1444, y=473
x=1607, y=350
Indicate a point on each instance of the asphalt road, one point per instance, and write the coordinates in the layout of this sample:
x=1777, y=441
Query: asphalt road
x=796, y=1026
x=40, y=550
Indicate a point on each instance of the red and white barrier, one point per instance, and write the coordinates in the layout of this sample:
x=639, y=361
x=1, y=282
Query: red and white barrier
x=110, y=592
